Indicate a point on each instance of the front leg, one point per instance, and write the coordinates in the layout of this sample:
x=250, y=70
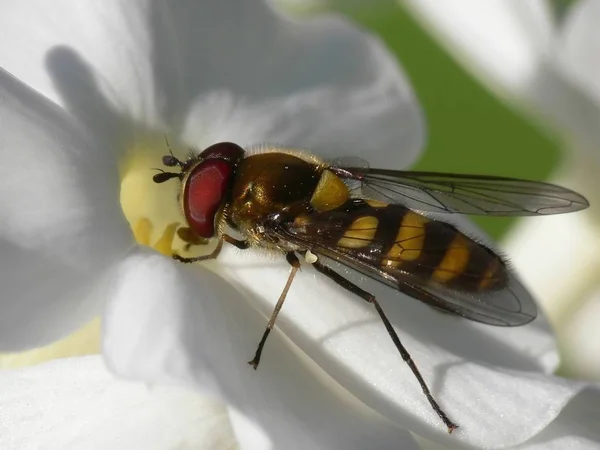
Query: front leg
x=242, y=245
x=190, y=238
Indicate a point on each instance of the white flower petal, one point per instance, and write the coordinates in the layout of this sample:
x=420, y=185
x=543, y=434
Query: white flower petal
x=344, y=336
x=94, y=58
x=570, y=91
x=507, y=403
x=575, y=428
x=61, y=226
x=524, y=348
x=558, y=272
x=168, y=322
x=580, y=46
x=320, y=82
x=581, y=338
x=74, y=404
x=315, y=83
x=504, y=41
x=515, y=47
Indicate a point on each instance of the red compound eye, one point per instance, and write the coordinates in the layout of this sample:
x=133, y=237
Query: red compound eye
x=204, y=192
x=227, y=151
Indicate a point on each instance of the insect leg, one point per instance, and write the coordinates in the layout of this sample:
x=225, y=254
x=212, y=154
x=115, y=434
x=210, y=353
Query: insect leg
x=190, y=238
x=212, y=255
x=224, y=238
x=348, y=285
x=242, y=245
x=295, y=263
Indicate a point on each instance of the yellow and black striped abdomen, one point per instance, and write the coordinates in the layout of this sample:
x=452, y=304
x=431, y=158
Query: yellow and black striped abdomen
x=393, y=238
x=438, y=251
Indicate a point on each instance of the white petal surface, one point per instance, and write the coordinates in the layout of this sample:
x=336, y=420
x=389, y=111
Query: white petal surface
x=572, y=93
x=75, y=404
x=61, y=226
x=580, y=46
x=252, y=76
x=575, y=428
x=498, y=395
x=531, y=346
x=515, y=47
x=581, y=338
x=94, y=58
x=501, y=398
x=559, y=273
x=179, y=323
x=319, y=83
x=502, y=40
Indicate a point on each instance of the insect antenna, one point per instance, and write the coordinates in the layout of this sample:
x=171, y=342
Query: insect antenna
x=170, y=160
x=164, y=176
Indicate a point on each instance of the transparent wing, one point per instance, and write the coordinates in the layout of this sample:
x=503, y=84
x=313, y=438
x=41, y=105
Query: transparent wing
x=465, y=194
x=354, y=184
x=510, y=305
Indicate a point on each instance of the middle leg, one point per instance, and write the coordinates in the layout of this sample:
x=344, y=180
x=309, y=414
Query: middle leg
x=292, y=259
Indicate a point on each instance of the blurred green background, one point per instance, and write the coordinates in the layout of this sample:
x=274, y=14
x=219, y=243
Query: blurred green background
x=469, y=129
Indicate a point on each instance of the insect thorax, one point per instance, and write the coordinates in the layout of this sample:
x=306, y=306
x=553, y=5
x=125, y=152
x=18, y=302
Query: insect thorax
x=280, y=185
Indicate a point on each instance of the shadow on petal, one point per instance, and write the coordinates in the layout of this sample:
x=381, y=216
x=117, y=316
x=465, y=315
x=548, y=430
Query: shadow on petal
x=168, y=323
x=78, y=86
x=62, y=226
x=343, y=336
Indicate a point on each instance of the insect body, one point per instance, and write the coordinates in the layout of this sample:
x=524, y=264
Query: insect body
x=372, y=220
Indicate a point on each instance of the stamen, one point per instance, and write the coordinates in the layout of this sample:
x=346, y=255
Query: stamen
x=143, y=234
x=164, y=244
x=143, y=231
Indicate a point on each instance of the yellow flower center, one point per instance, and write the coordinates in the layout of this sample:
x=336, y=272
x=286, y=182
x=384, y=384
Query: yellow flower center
x=151, y=209
x=153, y=213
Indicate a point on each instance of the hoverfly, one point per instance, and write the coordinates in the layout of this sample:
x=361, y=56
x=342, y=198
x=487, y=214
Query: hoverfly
x=372, y=220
